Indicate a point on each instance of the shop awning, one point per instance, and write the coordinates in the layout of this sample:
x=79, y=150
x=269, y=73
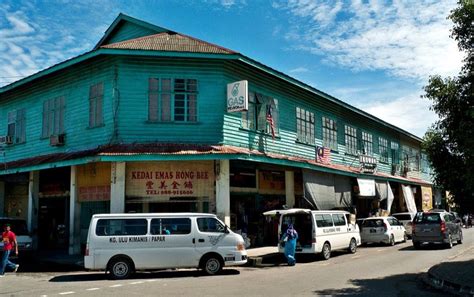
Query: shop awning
x=327, y=191
x=409, y=198
x=366, y=187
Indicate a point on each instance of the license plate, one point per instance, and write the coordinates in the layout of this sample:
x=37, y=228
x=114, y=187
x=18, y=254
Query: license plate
x=373, y=230
x=230, y=258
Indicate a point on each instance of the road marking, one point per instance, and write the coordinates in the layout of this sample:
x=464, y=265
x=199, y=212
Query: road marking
x=44, y=295
x=92, y=289
x=67, y=293
x=151, y=280
x=355, y=257
x=136, y=283
x=115, y=286
x=380, y=250
x=325, y=264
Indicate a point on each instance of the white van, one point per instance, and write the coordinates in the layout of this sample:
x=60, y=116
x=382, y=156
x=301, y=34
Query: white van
x=319, y=231
x=124, y=243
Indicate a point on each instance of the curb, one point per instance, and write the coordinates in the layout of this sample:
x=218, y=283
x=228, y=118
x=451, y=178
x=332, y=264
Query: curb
x=450, y=287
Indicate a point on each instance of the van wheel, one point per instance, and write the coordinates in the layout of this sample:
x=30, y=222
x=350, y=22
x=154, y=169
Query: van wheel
x=120, y=268
x=326, y=252
x=212, y=265
x=392, y=240
x=353, y=246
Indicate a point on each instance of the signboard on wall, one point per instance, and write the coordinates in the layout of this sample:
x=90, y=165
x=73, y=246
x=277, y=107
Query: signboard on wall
x=237, y=96
x=271, y=180
x=170, y=179
x=426, y=198
x=93, y=182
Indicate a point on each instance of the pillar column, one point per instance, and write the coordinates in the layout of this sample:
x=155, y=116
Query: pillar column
x=33, y=193
x=290, y=188
x=2, y=198
x=74, y=216
x=223, y=191
x=117, y=188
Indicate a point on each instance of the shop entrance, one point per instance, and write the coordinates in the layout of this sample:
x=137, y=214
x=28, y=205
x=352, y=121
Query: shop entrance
x=53, y=222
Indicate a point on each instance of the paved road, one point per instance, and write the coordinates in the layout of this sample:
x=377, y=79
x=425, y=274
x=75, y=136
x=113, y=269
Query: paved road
x=372, y=271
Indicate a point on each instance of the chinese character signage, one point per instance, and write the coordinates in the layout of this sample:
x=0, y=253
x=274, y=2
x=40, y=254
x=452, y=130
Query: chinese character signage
x=237, y=96
x=170, y=179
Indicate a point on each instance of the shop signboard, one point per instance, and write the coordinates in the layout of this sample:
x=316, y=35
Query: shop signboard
x=93, y=182
x=170, y=179
x=271, y=180
x=237, y=96
x=426, y=198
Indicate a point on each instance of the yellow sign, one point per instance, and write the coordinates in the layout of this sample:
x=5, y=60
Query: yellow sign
x=426, y=198
x=93, y=182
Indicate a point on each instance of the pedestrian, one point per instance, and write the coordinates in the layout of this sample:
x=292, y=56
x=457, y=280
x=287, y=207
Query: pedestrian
x=9, y=241
x=289, y=238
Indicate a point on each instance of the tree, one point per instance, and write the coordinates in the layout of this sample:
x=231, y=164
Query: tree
x=449, y=143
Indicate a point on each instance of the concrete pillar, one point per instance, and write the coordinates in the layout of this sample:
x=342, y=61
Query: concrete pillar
x=2, y=198
x=290, y=188
x=74, y=216
x=117, y=188
x=223, y=191
x=33, y=193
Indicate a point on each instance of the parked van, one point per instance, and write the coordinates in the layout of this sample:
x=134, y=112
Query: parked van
x=123, y=243
x=320, y=231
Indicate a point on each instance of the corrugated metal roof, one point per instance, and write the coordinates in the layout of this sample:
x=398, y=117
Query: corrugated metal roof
x=185, y=149
x=170, y=42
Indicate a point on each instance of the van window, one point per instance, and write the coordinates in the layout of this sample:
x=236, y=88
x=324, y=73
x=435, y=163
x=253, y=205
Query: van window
x=339, y=219
x=170, y=226
x=109, y=227
x=427, y=218
x=210, y=225
x=323, y=220
x=373, y=223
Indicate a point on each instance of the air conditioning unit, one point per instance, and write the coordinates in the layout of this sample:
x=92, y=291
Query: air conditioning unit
x=57, y=140
x=6, y=139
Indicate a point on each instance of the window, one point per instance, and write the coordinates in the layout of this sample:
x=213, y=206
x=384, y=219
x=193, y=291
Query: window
x=427, y=218
x=425, y=164
x=351, y=139
x=339, y=220
x=323, y=220
x=395, y=153
x=414, y=160
x=53, y=117
x=367, y=144
x=304, y=126
x=383, y=149
x=106, y=227
x=170, y=226
x=172, y=100
x=329, y=133
x=372, y=223
x=96, y=98
x=210, y=225
x=256, y=118
x=17, y=125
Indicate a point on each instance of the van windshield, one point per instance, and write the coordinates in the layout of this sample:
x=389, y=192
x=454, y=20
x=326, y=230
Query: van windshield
x=17, y=226
x=428, y=218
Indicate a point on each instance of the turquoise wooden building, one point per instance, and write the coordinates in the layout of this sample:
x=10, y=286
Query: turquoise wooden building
x=140, y=124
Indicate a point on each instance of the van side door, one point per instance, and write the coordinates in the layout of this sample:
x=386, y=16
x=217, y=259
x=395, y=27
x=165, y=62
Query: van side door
x=210, y=236
x=341, y=235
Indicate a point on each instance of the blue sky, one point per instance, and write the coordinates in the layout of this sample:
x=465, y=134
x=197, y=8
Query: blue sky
x=375, y=55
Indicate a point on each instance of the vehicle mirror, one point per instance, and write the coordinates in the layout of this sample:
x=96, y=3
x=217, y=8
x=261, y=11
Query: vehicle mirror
x=226, y=229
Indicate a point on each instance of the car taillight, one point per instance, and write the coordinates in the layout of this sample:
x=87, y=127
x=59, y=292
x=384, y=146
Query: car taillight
x=385, y=227
x=413, y=225
x=314, y=238
x=443, y=227
x=86, y=253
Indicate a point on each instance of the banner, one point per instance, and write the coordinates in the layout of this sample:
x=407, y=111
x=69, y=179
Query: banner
x=426, y=198
x=170, y=179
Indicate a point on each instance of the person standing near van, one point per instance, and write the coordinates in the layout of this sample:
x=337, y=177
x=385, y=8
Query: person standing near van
x=9, y=241
x=290, y=237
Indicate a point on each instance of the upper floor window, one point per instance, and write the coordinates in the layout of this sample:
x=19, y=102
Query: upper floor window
x=96, y=98
x=383, y=149
x=262, y=112
x=351, y=139
x=53, y=117
x=367, y=144
x=395, y=153
x=425, y=164
x=305, y=126
x=16, y=128
x=172, y=100
x=329, y=133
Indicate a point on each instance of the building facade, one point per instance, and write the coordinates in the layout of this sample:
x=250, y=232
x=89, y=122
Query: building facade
x=142, y=123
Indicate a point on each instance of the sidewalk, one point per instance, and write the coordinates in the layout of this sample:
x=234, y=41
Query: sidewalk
x=456, y=275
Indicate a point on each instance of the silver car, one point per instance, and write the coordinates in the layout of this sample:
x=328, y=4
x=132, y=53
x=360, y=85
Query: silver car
x=435, y=227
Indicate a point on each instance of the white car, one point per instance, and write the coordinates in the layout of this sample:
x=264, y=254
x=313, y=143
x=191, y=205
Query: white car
x=382, y=230
x=23, y=237
x=406, y=218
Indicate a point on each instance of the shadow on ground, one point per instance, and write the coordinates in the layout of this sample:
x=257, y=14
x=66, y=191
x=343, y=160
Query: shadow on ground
x=396, y=285
x=163, y=274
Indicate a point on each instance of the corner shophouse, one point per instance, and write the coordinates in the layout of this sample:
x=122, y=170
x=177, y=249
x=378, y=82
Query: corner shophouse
x=142, y=123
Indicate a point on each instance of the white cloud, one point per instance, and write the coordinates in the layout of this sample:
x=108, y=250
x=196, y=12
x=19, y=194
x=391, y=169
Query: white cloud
x=410, y=113
x=299, y=70
x=406, y=39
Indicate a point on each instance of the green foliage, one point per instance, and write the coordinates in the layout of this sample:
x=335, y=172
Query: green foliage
x=449, y=144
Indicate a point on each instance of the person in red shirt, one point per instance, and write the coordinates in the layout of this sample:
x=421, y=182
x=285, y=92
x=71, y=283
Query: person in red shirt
x=9, y=241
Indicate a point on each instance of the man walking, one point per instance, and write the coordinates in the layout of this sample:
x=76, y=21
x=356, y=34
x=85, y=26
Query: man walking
x=9, y=241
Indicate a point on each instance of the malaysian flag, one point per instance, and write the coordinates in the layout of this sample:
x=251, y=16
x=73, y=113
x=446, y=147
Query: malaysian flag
x=323, y=155
x=270, y=120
